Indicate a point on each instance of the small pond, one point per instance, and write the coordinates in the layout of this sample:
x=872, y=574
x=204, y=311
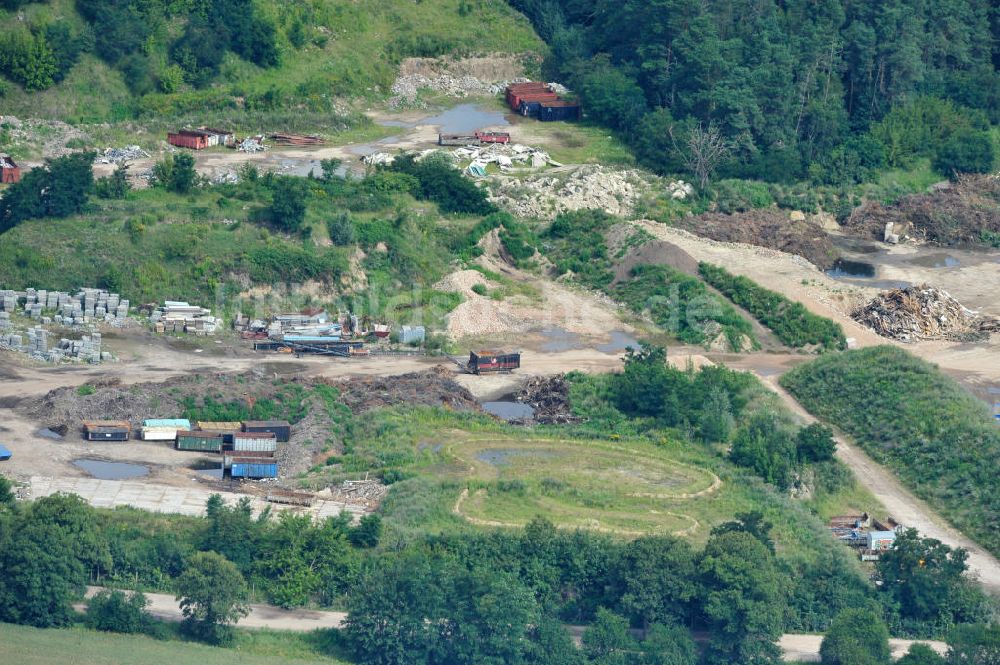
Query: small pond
x=503, y=456
x=465, y=119
x=103, y=470
x=853, y=269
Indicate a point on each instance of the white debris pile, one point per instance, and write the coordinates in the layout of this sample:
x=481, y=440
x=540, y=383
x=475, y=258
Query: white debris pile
x=505, y=155
x=586, y=187
x=679, y=190
x=378, y=159
x=118, y=155
x=251, y=144
x=225, y=178
x=923, y=312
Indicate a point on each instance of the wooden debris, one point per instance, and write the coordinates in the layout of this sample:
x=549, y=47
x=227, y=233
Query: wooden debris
x=297, y=139
x=921, y=313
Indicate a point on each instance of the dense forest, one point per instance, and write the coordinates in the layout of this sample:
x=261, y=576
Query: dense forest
x=828, y=90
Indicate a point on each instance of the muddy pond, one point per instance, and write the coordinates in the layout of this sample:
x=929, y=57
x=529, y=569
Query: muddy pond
x=103, y=470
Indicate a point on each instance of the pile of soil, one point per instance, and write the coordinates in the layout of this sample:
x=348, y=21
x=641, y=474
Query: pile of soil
x=923, y=312
x=769, y=228
x=961, y=213
x=549, y=397
x=433, y=387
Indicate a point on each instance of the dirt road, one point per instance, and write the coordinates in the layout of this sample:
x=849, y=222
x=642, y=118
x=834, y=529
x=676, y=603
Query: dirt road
x=166, y=608
x=805, y=648
x=795, y=648
x=902, y=505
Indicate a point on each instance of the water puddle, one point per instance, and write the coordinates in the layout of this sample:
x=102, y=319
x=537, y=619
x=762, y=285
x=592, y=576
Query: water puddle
x=851, y=269
x=503, y=456
x=207, y=469
x=433, y=447
x=111, y=470
x=466, y=118
x=558, y=340
x=509, y=410
x=620, y=340
x=46, y=433
x=935, y=261
x=366, y=149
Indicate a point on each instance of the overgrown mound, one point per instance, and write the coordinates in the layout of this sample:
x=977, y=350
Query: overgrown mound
x=966, y=212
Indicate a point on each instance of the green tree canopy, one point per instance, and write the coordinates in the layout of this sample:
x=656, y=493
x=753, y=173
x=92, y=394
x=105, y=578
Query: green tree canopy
x=857, y=637
x=212, y=594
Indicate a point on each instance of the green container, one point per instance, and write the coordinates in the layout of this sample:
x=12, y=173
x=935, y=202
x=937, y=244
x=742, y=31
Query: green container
x=199, y=441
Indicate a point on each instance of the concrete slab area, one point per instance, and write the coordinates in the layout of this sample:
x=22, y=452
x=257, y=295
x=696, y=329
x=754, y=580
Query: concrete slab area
x=167, y=499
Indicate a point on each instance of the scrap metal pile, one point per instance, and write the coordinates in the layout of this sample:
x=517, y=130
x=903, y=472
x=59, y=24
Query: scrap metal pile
x=921, y=313
x=118, y=155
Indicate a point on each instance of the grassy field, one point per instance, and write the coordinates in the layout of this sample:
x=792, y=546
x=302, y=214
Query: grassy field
x=578, y=484
x=33, y=646
x=501, y=476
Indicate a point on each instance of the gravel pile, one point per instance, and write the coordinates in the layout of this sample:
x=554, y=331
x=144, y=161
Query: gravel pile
x=921, y=313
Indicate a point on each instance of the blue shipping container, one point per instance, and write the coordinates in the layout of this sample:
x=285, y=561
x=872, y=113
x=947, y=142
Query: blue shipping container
x=255, y=471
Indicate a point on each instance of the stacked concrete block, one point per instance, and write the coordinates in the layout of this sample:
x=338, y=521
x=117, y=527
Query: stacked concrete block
x=38, y=341
x=8, y=301
x=4, y=320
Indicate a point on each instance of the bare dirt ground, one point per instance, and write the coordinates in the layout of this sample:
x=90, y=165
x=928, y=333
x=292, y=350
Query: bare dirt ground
x=976, y=365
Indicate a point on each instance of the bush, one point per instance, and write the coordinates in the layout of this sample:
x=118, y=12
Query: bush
x=967, y=151
x=479, y=289
x=445, y=185
x=575, y=243
x=117, y=612
x=791, y=321
x=340, y=228
x=58, y=189
x=741, y=195
x=288, y=203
